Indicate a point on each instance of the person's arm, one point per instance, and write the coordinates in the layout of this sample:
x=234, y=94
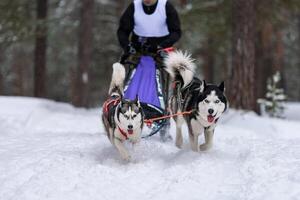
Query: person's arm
x=173, y=23
x=126, y=26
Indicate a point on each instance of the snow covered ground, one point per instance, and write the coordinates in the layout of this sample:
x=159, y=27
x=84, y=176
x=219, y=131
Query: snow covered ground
x=51, y=150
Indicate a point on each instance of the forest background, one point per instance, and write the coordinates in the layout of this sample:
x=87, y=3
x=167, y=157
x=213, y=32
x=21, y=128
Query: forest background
x=64, y=49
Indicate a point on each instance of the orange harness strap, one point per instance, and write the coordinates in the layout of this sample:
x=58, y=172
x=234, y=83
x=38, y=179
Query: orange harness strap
x=149, y=122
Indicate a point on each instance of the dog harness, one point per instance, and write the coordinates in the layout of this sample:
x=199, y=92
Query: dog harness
x=110, y=102
x=108, y=109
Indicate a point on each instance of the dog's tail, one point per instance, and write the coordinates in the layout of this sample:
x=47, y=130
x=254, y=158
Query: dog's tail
x=180, y=63
x=117, y=80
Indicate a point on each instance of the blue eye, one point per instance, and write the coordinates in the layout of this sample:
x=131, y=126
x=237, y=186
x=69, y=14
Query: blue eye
x=217, y=101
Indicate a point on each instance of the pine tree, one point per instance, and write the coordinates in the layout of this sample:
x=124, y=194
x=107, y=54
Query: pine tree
x=273, y=103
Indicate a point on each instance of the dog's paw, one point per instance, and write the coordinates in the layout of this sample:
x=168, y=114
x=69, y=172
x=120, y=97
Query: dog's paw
x=166, y=138
x=179, y=144
x=126, y=158
x=179, y=141
x=195, y=149
x=205, y=147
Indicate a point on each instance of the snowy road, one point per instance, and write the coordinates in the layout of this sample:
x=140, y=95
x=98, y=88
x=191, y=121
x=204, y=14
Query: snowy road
x=53, y=151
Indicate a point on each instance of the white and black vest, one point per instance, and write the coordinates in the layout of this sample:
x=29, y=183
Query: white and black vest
x=154, y=25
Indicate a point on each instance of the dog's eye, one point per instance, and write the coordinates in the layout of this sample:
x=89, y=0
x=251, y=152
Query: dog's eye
x=206, y=101
x=133, y=116
x=217, y=101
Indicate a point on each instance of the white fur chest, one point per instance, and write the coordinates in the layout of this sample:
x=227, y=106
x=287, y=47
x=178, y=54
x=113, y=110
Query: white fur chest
x=203, y=122
x=197, y=127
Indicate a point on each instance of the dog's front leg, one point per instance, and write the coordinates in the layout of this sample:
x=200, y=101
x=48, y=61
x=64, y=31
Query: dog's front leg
x=195, y=142
x=110, y=135
x=179, y=139
x=193, y=135
x=209, y=135
x=122, y=150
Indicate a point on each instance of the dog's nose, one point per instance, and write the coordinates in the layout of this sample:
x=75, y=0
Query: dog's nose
x=210, y=111
x=130, y=127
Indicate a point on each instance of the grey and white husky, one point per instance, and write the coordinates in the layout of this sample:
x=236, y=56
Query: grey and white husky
x=206, y=102
x=122, y=118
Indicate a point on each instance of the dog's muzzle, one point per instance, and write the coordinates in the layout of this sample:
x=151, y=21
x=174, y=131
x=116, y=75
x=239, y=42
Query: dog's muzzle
x=130, y=129
x=211, y=118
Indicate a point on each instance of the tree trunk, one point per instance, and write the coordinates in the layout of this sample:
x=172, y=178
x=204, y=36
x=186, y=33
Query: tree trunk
x=40, y=50
x=278, y=60
x=242, y=89
x=120, y=7
x=208, y=65
x=297, y=71
x=226, y=68
x=18, y=73
x=264, y=58
x=1, y=75
x=279, y=52
x=1, y=83
x=183, y=3
x=80, y=93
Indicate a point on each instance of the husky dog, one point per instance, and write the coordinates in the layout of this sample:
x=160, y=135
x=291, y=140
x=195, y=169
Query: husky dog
x=122, y=118
x=206, y=102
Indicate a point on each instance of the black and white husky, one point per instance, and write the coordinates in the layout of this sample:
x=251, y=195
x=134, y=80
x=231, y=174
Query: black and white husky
x=122, y=118
x=206, y=102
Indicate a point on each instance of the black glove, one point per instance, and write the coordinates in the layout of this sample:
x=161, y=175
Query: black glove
x=149, y=48
x=130, y=50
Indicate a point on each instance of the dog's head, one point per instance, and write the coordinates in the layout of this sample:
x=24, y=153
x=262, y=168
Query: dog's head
x=130, y=115
x=212, y=102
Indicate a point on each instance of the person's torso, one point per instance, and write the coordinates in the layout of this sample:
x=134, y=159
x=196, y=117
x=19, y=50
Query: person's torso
x=153, y=25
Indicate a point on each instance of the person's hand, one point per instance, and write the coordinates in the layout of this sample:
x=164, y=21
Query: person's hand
x=161, y=52
x=130, y=50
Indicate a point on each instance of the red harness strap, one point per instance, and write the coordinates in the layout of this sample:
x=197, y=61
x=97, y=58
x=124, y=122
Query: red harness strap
x=123, y=133
x=169, y=49
x=109, y=102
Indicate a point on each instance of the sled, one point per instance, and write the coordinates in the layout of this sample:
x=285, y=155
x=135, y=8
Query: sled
x=147, y=79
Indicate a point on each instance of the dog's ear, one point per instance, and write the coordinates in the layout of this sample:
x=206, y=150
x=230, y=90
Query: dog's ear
x=123, y=101
x=137, y=101
x=203, y=86
x=222, y=86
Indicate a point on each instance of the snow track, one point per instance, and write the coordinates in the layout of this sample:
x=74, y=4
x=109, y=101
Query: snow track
x=53, y=151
